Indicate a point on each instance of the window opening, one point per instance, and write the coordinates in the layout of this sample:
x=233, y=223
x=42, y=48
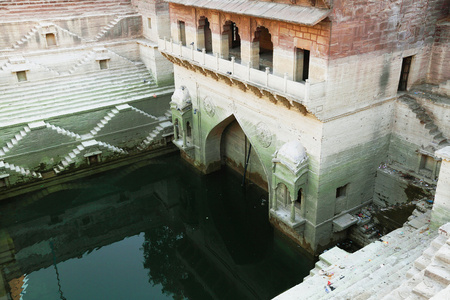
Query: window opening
x=264, y=38
x=301, y=64
x=93, y=159
x=208, y=36
x=188, y=129
x=341, y=191
x=51, y=39
x=427, y=162
x=21, y=76
x=3, y=183
x=298, y=202
x=182, y=32
x=406, y=66
x=149, y=23
x=103, y=64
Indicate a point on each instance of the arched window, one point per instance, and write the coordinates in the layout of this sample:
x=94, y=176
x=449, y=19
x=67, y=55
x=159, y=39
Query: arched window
x=263, y=40
x=231, y=40
x=188, y=131
x=204, y=35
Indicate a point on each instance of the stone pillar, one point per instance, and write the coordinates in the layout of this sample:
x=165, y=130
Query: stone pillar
x=184, y=129
x=293, y=210
x=274, y=198
x=441, y=208
x=201, y=38
x=254, y=54
x=224, y=46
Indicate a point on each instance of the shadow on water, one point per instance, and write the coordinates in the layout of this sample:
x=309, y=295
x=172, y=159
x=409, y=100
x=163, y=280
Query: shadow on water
x=108, y=236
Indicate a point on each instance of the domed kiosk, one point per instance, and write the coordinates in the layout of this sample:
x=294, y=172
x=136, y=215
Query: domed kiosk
x=181, y=108
x=289, y=178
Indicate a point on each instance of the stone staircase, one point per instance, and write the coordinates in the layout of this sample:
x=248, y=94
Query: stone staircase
x=11, y=10
x=147, y=115
x=24, y=40
x=70, y=158
x=370, y=273
x=14, y=141
x=429, y=278
x=439, y=140
x=364, y=232
x=67, y=160
x=112, y=148
x=111, y=114
x=21, y=170
x=164, y=128
x=87, y=57
x=110, y=26
x=75, y=93
x=63, y=131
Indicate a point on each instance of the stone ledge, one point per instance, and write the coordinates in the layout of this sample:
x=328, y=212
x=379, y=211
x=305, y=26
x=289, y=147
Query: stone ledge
x=343, y=222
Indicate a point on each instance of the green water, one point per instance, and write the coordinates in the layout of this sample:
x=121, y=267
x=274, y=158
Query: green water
x=151, y=230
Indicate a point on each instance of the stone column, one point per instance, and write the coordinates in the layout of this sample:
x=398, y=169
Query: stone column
x=254, y=54
x=441, y=208
x=201, y=38
x=293, y=210
x=224, y=46
x=184, y=130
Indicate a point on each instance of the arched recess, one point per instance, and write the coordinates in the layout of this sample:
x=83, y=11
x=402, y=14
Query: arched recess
x=262, y=49
x=212, y=147
x=204, y=35
x=231, y=41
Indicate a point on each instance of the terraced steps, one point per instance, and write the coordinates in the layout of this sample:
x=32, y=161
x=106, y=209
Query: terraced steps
x=430, y=276
x=20, y=103
x=371, y=272
x=19, y=10
x=439, y=140
x=21, y=170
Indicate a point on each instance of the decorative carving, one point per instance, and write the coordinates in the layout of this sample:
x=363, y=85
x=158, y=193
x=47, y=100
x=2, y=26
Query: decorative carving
x=284, y=101
x=300, y=107
x=226, y=79
x=270, y=96
x=240, y=85
x=209, y=106
x=212, y=74
x=255, y=90
x=263, y=135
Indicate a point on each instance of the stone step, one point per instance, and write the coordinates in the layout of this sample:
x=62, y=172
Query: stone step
x=62, y=87
x=438, y=272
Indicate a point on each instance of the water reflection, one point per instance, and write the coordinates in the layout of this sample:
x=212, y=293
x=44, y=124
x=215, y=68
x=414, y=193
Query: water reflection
x=152, y=230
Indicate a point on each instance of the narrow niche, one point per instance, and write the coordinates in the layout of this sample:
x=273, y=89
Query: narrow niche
x=51, y=39
x=21, y=76
x=103, y=64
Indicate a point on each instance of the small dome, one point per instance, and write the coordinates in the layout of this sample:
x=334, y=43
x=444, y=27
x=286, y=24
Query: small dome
x=181, y=97
x=292, y=152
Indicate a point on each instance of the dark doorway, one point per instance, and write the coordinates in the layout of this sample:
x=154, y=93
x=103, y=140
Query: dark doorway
x=234, y=39
x=406, y=66
x=301, y=64
x=182, y=32
x=264, y=38
x=208, y=36
x=298, y=202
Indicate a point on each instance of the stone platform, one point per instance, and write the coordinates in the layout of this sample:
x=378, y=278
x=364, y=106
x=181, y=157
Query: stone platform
x=411, y=262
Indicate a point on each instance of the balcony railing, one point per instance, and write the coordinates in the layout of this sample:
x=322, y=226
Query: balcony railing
x=302, y=92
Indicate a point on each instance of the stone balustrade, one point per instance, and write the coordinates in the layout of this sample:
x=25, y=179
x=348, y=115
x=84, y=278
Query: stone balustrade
x=302, y=92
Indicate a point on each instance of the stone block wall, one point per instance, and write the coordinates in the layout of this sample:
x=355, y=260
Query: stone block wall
x=386, y=25
x=155, y=18
x=285, y=38
x=440, y=55
x=161, y=68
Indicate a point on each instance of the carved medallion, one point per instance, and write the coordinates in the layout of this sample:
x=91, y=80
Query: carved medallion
x=209, y=106
x=263, y=134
